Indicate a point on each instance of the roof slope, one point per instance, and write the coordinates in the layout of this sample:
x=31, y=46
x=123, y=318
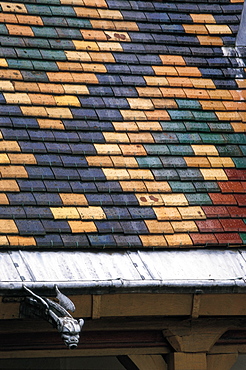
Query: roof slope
x=122, y=124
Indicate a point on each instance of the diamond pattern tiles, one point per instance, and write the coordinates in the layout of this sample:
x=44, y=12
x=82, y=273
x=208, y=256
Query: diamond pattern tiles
x=122, y=124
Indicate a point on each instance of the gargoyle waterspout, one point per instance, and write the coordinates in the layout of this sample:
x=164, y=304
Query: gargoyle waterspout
x=55, y=313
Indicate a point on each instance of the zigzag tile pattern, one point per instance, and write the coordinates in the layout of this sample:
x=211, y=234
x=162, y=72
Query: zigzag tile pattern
x=122, y=124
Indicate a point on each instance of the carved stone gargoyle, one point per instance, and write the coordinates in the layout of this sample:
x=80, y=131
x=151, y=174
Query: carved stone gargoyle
x=55, y=313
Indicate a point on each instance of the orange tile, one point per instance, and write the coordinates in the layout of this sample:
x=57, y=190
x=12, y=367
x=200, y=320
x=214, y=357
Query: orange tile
x=195, y=28
x=69, y=100
x=205, y=83
x=220, y=94
x=96, y=213
x=164, y=103
x=4, y=158
x=9, y=185
x=149, y=125
x=153, y=241
x=242, y=116
x=17, y=98
x=238, y=126
x=133, y=115
x=228, y=116
x=82, y=226
x=184, y=226
x=99, y=161
x=172, y=60
x=167, y=213
x=116, y=174
x=149, y=92
x=141, y=137
x=64, y=213
x=197, y=162
x=3, y=240
x=19, y=30
x=238, y=94
x=54, y=124
x=110, y=14
x=211, y=105
x=241, y=83
x=120, y=161
x=75, y=89
x=141, y=174
x=85, y=45
x=158, y=114
x=149, y=199
x=102, y=57
x=29, y=19
x=3, y=199
x=179, y=240
x=13, y=7
x=139, y=103
x=188, y=71
x=218, y=29
x=116, y=137
x=60, y=76
x=89, y=78
x=85, y=12
x=10, y=74
x=34, y=111
x=6, y=86
x=168, y=92
x=94, y=35
x=232, y=105
x=110, y=149
x=8, y=18
x=22, y=241
x=133, y=186
x=94, y=67
x=73, y=2
x=196, y=93
x=9, y=146
x=203, y=18
x=137, y=149
x=159, y=227
x=193, y=212
x=96, y=3
x=13, y=171
x=109, y=46
x=59, y=112
x=165, y=71
x=71, y=199
x=42, y=99
x=8, y=227
x=156, y=81
x=125, y=26
x=82, y=56
x=210, y=40
x=117, y=36
x=125, y=126
x=51, y=88
x=179, y=81
x=157, y=186
x=69, y=66
x=101, y=24
x=22, y=158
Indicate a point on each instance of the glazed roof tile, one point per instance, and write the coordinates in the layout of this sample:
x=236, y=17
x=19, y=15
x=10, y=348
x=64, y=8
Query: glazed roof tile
x=122, y=124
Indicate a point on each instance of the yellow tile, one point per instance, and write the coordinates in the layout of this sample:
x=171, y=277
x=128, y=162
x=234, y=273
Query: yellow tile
x=150, y=125
x=99, y=161
x=133, y=186
x=86, y=12
x=179, y=240
x=168, y=92
x=82, y=56
x=9, y=185
x=117, y=36
x=210, y=40
x=13, y=171
x=120, y=161
x=125, y=26
x=195, y=28
x=165, y=71
x=203, y=18
x=21, y=241
x=102, y=57
x=34, y=111
x=93, y=35
x=141, y=137
x=91, y=213
x=202, y=83
x=241, y=83
x=141, y=174
x=72, y=2
x=94, y=67
x=68, y=100
x=85, y=45
x=139, y=103
x=110, y=14
x=73, y=199
x=156, y=81
x=3, y=240
x=111, y=149
x=213, y=174
x=59, y=112
x=116, y=174
x=51, y=124
x=167, y=213
x=8, y=227
x=205, y=150
x=174, y=199
x=184, y=226
x=47, y=87
x=82, y=226
x=238, y=126
x=109, y=46
x=197, y=161
x=212, y=105
x=3, y=199
x=13, y=7
x=96, y=3
x=3, y=62
x=149, y=92
x=9, y=146
x=102, y=24
x=227, y=116
x=153, y=240
x=218, y=28
x=159, y=114
x=76, y=89
x=4, y=158
x=159, y=227
x=64, y=212
x=164, y=103
x=221, y=162
x=17, y=30
x=17, y=98
x=6, y=86
x=115, y=137
x=193, y=212
x=29, y=19
x=157, y=186
x=133, y=115
x=125, y=126
x=69, y=66
x=179, y=82
x=22, y=158
x=149, y=199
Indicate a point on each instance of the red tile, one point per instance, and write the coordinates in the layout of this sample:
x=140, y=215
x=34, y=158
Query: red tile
x=241, y=199
x=231, y=187
x=234, y=174
x=231, y=224
x=243, y=183
x=218, y=198
x=237, y=211
x=209, y=226
x=228, y=238
x=213, y=212
x=207, y=239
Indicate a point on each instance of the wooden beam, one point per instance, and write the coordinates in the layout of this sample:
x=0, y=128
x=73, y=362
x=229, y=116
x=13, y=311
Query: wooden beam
x=149, y=362
x=187, y=361
x=96, y=306
x=221, y=361
x=196, y=305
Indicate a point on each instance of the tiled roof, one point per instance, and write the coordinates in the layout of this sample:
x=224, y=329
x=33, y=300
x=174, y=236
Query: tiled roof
x=122, y=124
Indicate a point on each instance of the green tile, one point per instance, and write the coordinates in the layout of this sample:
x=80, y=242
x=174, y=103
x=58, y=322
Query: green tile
x=62, y=10
x=230, y=150
x=28, y=53
x=188, y=104
x=172, y=126
x=144, y=162
x=182, y=186
x=45, y=32
x=212, y=138
x=3, y=30
x=204, y=116
x=155, y=149
x=206, y=186
x=196, y=126
x=45, y=66
x=243, y=149
x=180, y=114
x=19, y=63
x=243, y=237
x=180, y=149
x=235, y=138
x=198, y=199
x=220, y=127
x=191, y=138
x=240, y=162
